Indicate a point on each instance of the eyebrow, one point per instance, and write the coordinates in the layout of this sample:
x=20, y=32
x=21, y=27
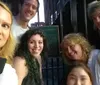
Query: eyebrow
x=7, y=23
x=71, y=74
x=75, y=75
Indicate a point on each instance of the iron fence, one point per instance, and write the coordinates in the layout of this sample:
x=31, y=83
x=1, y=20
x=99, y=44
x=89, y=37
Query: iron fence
x=53, y=70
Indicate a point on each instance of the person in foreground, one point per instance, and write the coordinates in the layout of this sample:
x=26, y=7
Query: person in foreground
x=79, y=74
x=28, y=57
x=8, y=74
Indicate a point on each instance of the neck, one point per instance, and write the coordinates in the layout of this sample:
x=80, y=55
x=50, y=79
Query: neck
x=38, y=58
x=21, y=22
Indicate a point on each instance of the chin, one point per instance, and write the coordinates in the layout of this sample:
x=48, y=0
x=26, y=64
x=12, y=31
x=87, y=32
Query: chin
x=27, y=19
x=36, y=54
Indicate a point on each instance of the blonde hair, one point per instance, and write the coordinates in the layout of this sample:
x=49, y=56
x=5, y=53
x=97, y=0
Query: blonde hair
x=8, y=49
x=77, y=38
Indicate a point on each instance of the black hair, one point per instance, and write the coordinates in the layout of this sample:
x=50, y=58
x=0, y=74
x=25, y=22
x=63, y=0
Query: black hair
x=22, y=2
x=23, y=52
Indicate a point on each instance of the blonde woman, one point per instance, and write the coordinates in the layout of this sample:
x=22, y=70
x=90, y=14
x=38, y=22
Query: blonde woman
x=76, y=47
x=7, y=73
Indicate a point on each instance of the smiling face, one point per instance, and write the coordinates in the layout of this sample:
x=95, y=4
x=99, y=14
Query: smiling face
x=29, y=9
x=35, y=45
x=78, y=76
x=5, y=26
x=72, y=51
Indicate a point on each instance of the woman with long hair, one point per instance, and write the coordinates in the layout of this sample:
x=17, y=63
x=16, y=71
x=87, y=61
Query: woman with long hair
x=7, y=73
x=28, y=57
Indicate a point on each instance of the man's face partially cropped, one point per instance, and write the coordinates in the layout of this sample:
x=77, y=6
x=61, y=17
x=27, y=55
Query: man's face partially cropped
x=29, y=9
x=96, y=18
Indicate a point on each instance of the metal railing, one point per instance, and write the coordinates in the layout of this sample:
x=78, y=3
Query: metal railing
x=53, y=71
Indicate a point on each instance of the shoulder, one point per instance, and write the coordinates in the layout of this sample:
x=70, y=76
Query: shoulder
x=19, y=60
x=19, y=63
x=21, y=68
x=94, y=56
x=8, y=69
x=94, y=52
x=8, y=76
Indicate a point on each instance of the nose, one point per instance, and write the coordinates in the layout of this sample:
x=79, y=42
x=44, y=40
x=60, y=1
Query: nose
x=69, y=50
x=78, y=82
x=36, y=44
x=98, y=19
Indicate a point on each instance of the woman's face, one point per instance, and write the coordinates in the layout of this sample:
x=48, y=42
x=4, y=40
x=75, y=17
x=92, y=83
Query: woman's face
x=5, y=26
x=36, y=45
x=78, y=76
x=73, y=51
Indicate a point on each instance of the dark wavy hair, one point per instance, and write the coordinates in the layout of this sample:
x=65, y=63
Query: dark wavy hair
x=23, y=51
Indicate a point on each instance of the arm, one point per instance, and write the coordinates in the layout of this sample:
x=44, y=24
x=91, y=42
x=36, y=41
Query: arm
x=21, y=69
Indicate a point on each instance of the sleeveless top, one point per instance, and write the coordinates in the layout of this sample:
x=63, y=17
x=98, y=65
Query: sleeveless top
x=33, y=79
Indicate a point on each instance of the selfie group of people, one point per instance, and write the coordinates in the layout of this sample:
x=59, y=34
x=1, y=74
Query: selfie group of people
x=22, y=49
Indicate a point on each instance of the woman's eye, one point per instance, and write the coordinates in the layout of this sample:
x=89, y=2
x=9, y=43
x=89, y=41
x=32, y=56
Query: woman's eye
x=72, y=46
x=31, y=42
x=71, y=77
x=83, y=79
x=40, y=42
x=5, y=26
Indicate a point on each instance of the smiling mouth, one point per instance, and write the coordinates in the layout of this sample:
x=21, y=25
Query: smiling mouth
x=27, y=13
x=72, y=54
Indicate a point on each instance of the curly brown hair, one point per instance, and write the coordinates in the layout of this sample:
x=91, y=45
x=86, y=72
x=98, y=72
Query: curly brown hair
x=77, y=38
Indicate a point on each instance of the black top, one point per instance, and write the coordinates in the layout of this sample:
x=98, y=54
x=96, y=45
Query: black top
x=28, y=80
x=2, y=64
x=31, y=79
